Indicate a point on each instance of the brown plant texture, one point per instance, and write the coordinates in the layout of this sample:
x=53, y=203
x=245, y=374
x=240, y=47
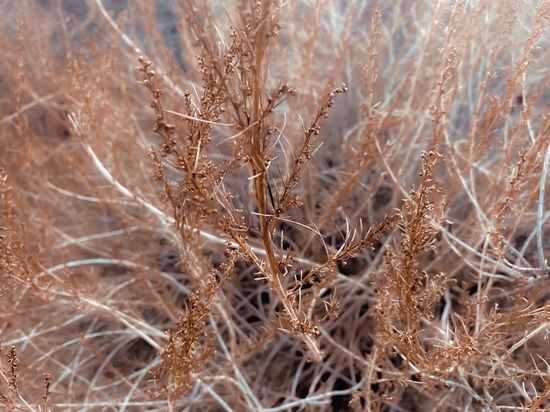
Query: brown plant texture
x=274, y=206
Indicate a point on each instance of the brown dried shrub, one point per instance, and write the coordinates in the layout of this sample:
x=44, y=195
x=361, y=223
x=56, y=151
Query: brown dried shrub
x=305, y=205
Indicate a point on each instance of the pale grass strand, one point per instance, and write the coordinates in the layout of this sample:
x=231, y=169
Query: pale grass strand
x=104, y=235
x=517, y=345
x=135, y=48
x=125, y=320
x=540, y=209
x=185, y=116
x=88, y=198
x=243, y=385
x=143, y=373
x=214, y=395
x=28, y=106
x=106, y=361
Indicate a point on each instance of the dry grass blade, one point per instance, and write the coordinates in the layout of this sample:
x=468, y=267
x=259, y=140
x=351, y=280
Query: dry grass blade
x=287, y=205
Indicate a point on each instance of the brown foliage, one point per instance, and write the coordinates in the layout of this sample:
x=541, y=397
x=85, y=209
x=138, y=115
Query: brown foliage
x=322, y=206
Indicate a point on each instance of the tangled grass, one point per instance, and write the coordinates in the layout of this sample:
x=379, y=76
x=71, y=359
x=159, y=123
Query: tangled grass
x=274, y=206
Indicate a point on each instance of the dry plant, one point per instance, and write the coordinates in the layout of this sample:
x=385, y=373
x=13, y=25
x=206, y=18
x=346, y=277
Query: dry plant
x=273, y=206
